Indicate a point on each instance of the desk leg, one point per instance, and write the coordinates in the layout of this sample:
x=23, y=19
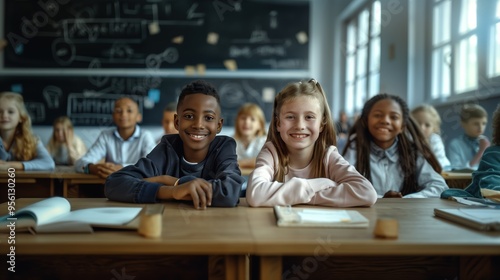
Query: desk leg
x=52, y=191
x=270, y=267
x=65, y=188
x=228, y=267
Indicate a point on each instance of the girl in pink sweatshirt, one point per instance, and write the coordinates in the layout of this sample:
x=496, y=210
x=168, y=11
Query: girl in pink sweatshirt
x=300, y=163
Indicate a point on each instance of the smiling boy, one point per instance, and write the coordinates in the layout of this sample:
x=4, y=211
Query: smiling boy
x=194, y=165
x=119, y=146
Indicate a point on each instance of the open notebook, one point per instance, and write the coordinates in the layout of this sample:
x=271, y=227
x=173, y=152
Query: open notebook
x=54, y=215
x=478, y=218
x=287, y=216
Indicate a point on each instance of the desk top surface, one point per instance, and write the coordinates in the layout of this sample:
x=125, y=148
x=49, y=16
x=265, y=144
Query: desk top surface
x=246, y=230
x=60, y=172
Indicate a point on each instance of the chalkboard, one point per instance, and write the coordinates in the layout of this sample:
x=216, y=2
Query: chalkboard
x=156, y=34
x=89, y=101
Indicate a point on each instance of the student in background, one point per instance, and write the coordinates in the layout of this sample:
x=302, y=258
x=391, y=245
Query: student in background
x=19, y=148
x=430, y=124
x=168, y=119
x=300, y=163
x=120, y=146
x=194, y=165
x=487, y=175
x=466, y=150
x=342, y=127
x=250, y=134
x=388, y=148
x=64, y=146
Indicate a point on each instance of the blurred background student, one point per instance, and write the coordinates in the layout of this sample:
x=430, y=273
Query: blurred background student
x=64, y=146
x=430, y=124
x=249, y=133
x=466, y=150
x=342, y=127
x=19, y=148
x=119, y=146
x=168, y=119
x=486, y=179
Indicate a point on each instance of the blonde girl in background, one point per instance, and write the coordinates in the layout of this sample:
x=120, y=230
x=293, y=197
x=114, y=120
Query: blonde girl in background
x=249, y=133
x=430, y=123
x=300, y=163
x=20, y=149
x=64, y=146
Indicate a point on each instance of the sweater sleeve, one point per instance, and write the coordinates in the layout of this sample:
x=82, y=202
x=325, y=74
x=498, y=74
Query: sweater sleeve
x=128, y=184
x=348, y=187
x=225, y=175
x=94, y=154
x=263, y=190
x=431, y=182
x=42, y=161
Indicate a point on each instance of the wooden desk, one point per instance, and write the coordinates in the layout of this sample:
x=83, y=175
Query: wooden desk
x=211, y=244
x=45, y=183
x=214, y=244
x=459, y=180
x=427, y=247
x=246, y=171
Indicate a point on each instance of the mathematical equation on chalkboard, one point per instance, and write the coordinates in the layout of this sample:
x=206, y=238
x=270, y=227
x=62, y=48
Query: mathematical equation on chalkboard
x=157, y=34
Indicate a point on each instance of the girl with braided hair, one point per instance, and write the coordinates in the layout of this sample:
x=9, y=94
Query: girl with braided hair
x=388, y=148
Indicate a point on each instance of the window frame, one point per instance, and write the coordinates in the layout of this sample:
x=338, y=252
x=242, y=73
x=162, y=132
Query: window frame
x=486, y=86
x=353, y=104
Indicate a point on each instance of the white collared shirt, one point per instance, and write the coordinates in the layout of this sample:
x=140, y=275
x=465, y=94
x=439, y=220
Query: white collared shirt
x=113, y=148
x=387, y=175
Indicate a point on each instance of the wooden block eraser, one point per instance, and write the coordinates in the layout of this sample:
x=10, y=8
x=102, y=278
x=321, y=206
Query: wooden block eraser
x=150, y=223
x=386, y=228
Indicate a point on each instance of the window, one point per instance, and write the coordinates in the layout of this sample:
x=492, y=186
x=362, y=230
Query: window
x=465, y=46
x=494, y=47
x=362, y=56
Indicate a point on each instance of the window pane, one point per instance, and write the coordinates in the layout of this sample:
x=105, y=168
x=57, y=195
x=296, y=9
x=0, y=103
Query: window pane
x=363, y=27
x=351, y=59
x=375, y=54
x=466, y=61
x=351, y=37
x=468, y=16
x=494, y=51
x=360, y=93
x=441, y=63
x=497, y=11
x=374, y=84
x=376, y=18
x=442, y=22
x=361, y=61
x=349, y=98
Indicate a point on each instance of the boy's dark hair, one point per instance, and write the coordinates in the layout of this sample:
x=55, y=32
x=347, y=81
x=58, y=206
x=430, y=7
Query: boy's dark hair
x=199, y=86
x=410, y=141
x=471, y=111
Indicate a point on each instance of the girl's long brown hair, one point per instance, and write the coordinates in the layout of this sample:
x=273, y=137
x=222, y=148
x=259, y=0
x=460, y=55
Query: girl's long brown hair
x=326, y=138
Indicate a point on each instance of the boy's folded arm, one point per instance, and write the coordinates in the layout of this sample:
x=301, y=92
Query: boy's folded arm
x=129, y=184
x=227, y=184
